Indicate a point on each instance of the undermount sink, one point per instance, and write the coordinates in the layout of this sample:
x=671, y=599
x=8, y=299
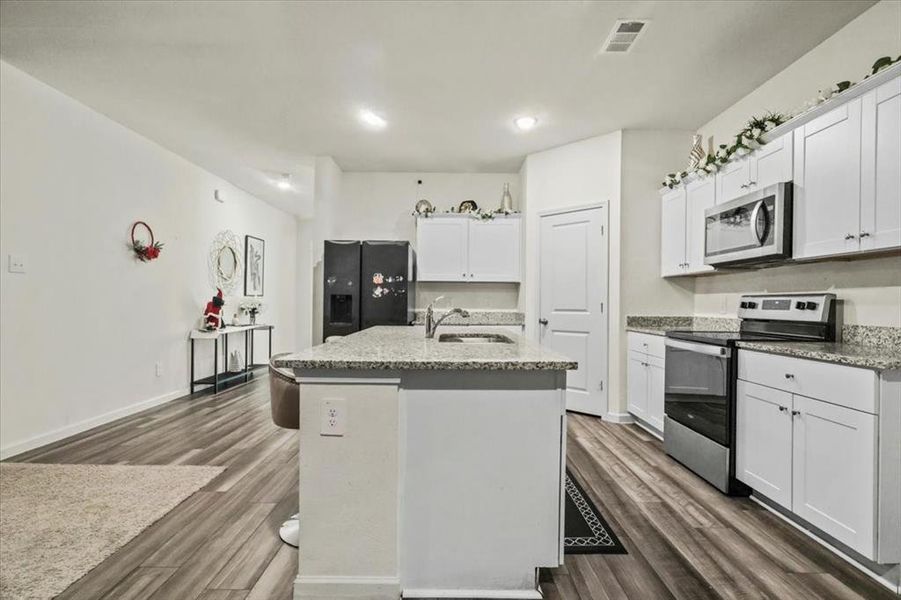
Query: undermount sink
x=475, y=338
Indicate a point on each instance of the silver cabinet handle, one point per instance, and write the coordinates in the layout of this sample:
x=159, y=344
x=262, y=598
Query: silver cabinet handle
x=850, y=236
x=783, y=409
x=542, y=321
x=864, y=234
x=795, y=413
x=752, y=183
x=789, y=376
x=744, y=186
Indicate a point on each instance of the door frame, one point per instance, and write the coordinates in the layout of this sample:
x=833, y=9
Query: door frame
x=605, y=233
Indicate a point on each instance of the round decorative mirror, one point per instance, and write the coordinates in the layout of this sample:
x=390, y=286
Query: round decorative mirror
x=225, y=261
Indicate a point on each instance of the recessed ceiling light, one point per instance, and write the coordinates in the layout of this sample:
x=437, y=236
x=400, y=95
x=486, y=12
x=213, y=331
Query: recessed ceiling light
x=285, y=182
x=372, y=119
x=526, y=123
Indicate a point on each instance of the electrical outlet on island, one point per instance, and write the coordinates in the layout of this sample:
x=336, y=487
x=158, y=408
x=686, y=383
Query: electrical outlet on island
x=333, y=417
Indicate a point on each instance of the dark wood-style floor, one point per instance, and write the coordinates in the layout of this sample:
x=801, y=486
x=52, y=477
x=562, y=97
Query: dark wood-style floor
x=685, y=539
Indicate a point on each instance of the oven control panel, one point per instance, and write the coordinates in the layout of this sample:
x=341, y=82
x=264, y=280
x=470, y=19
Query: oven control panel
x=811, y=308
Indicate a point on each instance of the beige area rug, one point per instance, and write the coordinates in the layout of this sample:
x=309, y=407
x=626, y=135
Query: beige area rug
x=57, y=522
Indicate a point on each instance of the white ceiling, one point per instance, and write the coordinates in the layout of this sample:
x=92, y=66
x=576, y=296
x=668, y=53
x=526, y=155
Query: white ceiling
x=253, y=89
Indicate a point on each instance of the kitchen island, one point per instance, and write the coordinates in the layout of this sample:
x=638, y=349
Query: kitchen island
x=429, y=467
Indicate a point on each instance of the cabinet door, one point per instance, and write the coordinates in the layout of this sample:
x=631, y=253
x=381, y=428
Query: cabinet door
x=672, y=233
x=880, y=185
x=494, y=249
x=637, y=386
x=827, y=183
x=700, y=195
x=834, y=486
x=442, y=248
x=732, y=179
x=655, y=392
x=772, y=163
x=763, y=441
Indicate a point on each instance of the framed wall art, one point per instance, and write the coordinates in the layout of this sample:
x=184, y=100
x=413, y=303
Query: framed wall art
x=255, y=265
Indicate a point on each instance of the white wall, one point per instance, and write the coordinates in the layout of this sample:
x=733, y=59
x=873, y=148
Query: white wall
x=582, y=173
x=871, y=288
x=83, y=329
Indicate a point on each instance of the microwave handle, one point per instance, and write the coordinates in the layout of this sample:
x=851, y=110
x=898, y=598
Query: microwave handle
x=760, y=235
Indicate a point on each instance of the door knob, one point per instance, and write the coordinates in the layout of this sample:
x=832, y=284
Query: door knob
x=542, y=321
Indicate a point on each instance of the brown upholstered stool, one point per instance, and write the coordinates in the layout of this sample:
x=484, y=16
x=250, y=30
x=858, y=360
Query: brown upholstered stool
x=284, y=400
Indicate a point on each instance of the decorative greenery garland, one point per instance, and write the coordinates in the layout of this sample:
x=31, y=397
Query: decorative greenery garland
x=748, y=139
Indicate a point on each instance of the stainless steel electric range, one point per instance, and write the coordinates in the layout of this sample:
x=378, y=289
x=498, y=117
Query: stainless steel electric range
x=701, y=371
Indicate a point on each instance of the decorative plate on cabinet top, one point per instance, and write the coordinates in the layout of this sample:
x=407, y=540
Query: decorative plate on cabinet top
x=424, y=207
x=468, y=206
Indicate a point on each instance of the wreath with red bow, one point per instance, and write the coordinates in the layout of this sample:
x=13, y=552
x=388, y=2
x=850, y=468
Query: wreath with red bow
x=145, y=252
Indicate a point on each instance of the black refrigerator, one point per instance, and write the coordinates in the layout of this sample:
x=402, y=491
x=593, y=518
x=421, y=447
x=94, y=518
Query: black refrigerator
x=365, y=284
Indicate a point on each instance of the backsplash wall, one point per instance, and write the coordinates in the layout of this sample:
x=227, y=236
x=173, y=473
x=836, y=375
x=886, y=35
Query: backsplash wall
x=869, y=287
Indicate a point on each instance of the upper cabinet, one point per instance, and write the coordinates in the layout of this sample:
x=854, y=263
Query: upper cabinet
x=844, y=158
x=768, y=165
x=682, y=226
x=465, y=248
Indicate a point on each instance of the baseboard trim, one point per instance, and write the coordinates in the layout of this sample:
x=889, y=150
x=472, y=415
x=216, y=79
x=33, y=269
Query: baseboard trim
x=13, y=450
x=512, y=594
x=622, y=418
x=887, y=583
x=321, y=587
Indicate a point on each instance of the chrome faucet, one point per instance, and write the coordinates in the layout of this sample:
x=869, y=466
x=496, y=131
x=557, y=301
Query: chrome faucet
x=431, y=324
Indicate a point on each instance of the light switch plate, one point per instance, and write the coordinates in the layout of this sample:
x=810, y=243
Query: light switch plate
x=333, y=416
x=16, y=263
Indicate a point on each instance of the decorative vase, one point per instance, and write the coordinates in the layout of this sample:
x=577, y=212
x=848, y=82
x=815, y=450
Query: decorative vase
x=697, y=153
x=507, y=199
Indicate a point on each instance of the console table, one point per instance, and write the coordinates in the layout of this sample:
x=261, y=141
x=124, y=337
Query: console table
x=217, y=379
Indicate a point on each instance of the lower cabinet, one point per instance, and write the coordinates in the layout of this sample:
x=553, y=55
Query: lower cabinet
x=763, y=438
x=821, y=460
x=645, y=371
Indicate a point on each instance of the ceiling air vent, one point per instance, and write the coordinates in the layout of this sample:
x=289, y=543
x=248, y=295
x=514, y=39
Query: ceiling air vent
x=623, y=36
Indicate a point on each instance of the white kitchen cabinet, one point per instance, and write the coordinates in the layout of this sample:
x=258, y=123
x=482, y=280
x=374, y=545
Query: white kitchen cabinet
x=832, y=461
x=464, y=248
x=827, y=183
x=645, y=379
x=880, y=183
x=672, y=233
x=699, y=196
x=834, y=464
x=768, y=165
x=494, y=249
x=682, y=227
x=442, y=249
x=763, y=441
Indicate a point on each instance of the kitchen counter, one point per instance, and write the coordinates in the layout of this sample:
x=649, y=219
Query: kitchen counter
x=653, y=325
x=423, y=440
x=405, y=348
x=852, y=355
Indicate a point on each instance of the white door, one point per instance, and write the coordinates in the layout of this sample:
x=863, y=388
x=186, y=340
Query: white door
x=494, y=249
x=442, y=249
x=732, y=179
x=880, y=185
x=699, y=195
x=572, y=300
x=827, y=183
x=763, y=441
x=834, y=485
x=637, y=385
x=672, y=232
x=772, y=163
x=655, y=371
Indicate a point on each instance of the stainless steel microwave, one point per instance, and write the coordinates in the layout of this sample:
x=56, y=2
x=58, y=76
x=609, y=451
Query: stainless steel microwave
x=753, y=229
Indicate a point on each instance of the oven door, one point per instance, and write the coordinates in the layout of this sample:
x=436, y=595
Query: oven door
x=753, y=228
x=697, y=393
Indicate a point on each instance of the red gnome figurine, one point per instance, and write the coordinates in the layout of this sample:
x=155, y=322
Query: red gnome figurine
x=211, y=318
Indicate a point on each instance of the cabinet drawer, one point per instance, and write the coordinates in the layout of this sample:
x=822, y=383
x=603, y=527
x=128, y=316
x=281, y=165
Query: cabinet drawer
x=649, y=344
x=837, y=384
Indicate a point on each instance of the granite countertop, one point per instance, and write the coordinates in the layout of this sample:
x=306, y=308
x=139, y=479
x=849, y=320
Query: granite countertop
x=660, y=325
x=405, y=348
x=853, y=355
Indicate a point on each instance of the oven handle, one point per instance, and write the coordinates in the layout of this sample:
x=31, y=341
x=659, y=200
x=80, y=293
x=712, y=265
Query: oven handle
x=708, y=349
